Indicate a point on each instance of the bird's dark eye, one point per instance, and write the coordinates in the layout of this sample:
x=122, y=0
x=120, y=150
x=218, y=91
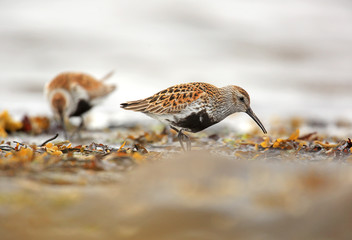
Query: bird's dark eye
x=241, y=99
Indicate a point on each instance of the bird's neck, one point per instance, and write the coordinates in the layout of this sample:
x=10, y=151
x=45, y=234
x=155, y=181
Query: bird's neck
x=223, y=104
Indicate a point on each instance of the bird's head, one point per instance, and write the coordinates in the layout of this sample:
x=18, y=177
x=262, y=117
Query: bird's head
x=241, y=103
x=59, y=105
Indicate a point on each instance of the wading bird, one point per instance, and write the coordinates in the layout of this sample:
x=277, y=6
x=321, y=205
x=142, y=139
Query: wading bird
x=194, y=106
x=72, y=94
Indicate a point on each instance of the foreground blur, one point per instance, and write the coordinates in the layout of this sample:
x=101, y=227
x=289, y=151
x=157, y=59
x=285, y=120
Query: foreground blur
x=188, y=196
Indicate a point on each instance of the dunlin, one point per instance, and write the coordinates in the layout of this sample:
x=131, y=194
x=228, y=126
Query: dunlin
x=194, y=106
x=72, y=94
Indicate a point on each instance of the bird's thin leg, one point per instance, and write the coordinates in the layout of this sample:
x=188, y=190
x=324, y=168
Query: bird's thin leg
x=79, y=128
x=179, y=136
x=62, y=120
x=183, y=138
x=186, y=138
x=188, y=141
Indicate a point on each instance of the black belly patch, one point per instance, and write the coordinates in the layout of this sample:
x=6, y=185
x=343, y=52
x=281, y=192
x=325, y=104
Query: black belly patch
x=82, y=107
x=195, y=122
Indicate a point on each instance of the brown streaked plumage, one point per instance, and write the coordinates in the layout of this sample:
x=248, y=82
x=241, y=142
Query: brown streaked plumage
x=94, y=88
x=171, y=100
x=72, y=94
x=194, y=106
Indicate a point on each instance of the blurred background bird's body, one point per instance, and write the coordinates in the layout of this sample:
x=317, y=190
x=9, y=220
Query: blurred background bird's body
x=72, y=94
x=194, y=106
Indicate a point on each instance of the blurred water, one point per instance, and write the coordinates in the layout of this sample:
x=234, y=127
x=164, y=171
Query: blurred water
x=294, y=58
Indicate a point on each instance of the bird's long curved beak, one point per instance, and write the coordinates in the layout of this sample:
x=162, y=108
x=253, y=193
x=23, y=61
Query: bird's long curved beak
x=256, y=119
x=62, y=120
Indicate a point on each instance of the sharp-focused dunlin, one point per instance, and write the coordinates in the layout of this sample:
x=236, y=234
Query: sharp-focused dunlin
x=72, y=94
x=194, y=106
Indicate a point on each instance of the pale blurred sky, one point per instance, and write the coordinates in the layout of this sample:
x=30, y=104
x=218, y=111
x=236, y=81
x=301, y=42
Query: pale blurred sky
x=293, y=57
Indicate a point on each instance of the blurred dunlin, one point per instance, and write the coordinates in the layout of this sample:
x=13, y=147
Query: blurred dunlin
x=72, y=94
x=193, y=107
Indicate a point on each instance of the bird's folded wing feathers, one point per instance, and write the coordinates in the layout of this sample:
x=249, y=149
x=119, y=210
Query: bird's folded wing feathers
x=170, y=100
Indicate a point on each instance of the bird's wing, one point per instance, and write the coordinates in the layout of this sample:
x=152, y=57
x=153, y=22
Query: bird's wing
x=94, y=88
x=173, y=99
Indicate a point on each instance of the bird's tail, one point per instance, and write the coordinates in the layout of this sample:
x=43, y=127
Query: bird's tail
x=109, y=88
x=102, y=91
x=139, y=105
x=107, y=76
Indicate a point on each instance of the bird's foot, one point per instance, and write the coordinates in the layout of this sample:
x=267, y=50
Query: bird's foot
x=184, y=138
